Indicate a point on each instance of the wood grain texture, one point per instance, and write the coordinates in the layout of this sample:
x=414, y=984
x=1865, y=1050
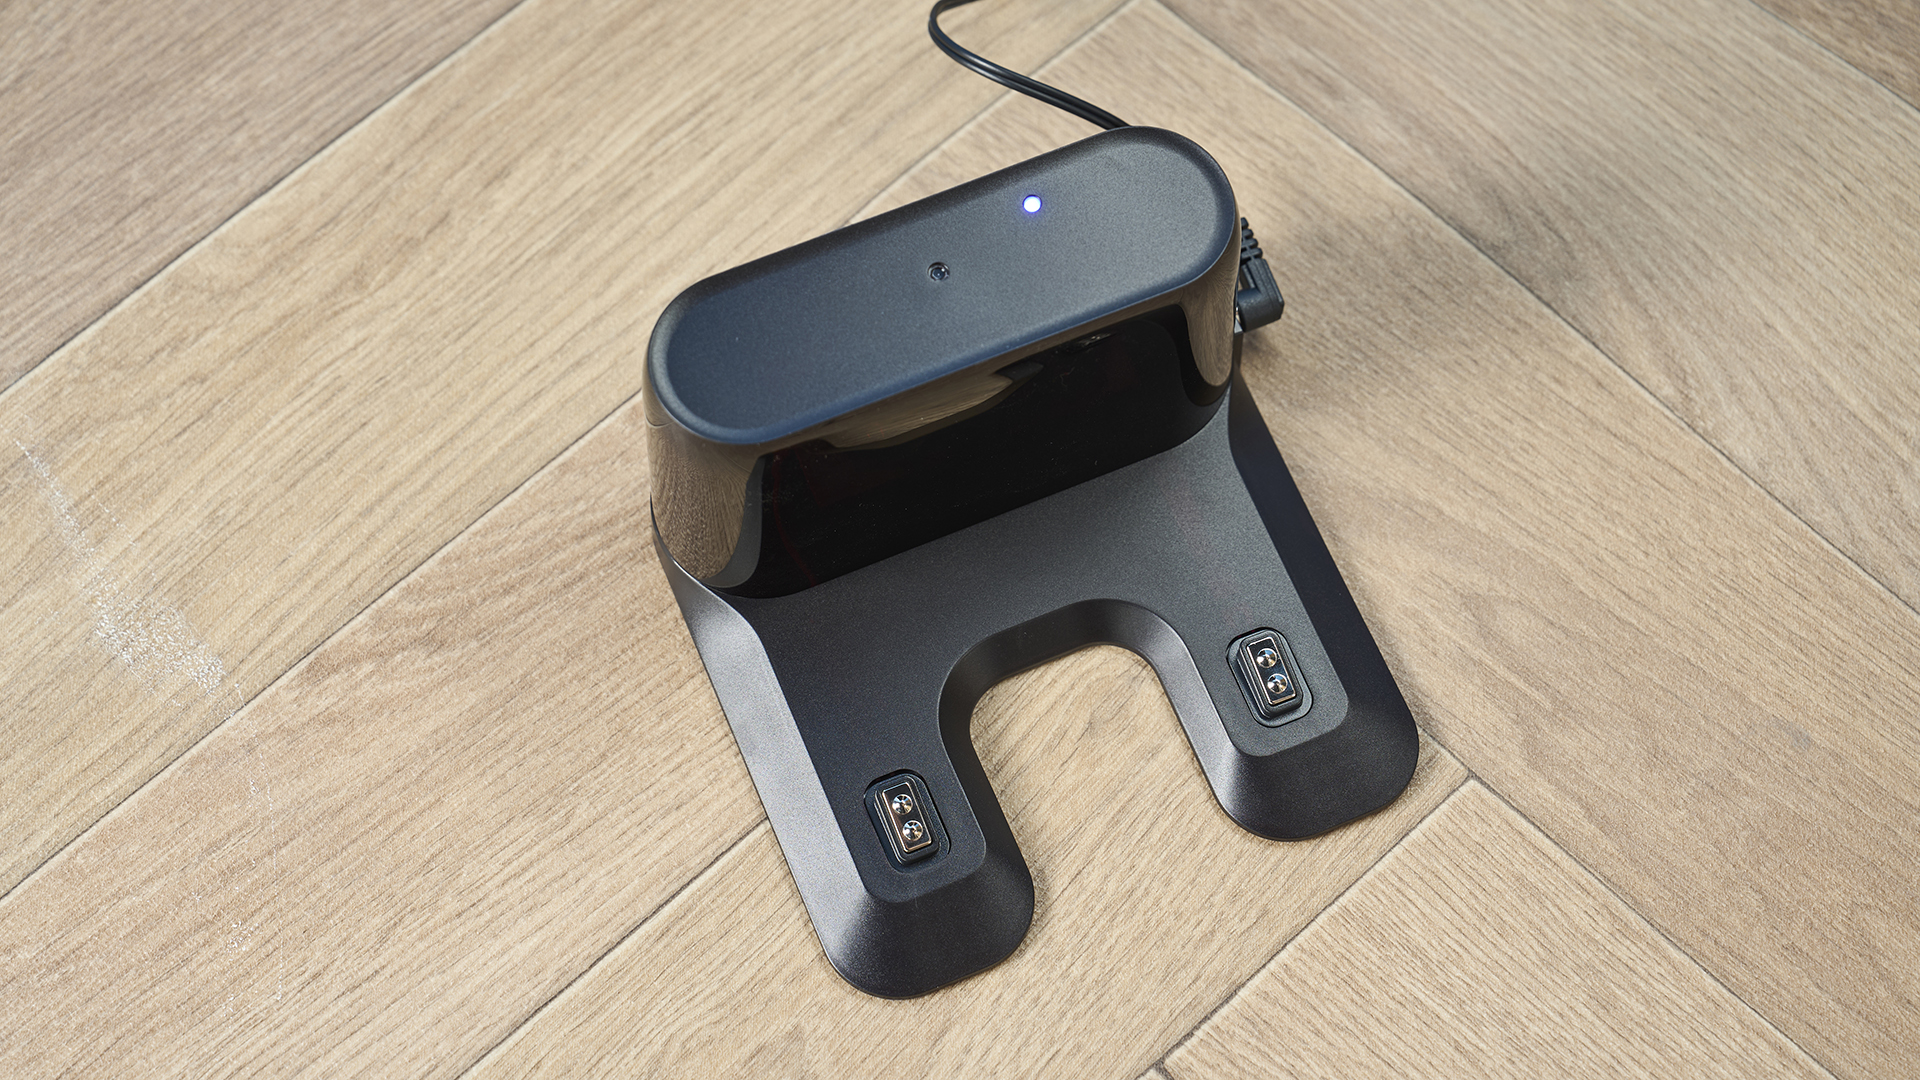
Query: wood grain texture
x=1415, y=973
x=1880, y=37
x=455, y=807
x=1152, y=906
x=1468, y=455
x=129, y=131
x=388, y=860
x=1593, y=609
x=1726, y=209
x=214, y=479
x=494, y=777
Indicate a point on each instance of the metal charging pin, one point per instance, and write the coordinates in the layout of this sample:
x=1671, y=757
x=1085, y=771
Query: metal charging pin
x=1261, y=662
x=902, y=816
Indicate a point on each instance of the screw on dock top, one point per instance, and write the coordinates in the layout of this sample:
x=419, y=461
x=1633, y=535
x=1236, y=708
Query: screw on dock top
x=902, y=803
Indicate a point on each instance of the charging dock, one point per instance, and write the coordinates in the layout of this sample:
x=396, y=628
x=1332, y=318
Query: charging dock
x=901, y=462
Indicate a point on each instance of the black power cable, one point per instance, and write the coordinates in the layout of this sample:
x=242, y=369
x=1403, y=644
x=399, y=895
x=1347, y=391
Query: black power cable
x=1007, y=77
x=1258, y=302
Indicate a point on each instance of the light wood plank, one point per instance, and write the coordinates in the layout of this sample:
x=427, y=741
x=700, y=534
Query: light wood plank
x=129, y=131
x=1152, y=906
x=1469, y=456
x=213, y=480
x=1477, y=948
x=1533, y=539
x=1466, y=455
x=1726, y=209
x=1880, y=37
x=447, y=814
x=1657, y=663
x=388, y=860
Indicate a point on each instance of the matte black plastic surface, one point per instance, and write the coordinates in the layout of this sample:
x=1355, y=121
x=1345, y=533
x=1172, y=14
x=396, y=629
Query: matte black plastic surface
x=877, y=672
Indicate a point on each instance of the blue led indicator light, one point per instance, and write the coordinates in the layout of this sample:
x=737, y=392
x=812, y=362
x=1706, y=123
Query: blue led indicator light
x=1031, y=204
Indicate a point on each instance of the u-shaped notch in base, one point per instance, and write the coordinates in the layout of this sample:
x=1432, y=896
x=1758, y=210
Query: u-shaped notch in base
x=874, y=675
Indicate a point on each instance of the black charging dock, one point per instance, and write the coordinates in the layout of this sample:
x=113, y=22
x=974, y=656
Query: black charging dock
x=897, y=463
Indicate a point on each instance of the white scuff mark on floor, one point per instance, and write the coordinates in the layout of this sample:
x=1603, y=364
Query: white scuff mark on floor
x=152, y=638
x=158, y=646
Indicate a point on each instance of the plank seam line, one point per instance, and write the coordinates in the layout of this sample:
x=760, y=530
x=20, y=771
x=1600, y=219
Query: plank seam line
x=435, y=554
x=565, y=451
x=1646, y=920
x=265, y=191
x=649, y=919
x=301, y=662
x=1473, y=775
x=977, y=118
x=1795, y=29
x=1657, y=401
x=1279, y=953
x=710, y=868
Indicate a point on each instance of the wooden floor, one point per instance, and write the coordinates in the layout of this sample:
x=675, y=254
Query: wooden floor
x=347, y=725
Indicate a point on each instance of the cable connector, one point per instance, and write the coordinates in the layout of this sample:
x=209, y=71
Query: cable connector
x=1259, y=301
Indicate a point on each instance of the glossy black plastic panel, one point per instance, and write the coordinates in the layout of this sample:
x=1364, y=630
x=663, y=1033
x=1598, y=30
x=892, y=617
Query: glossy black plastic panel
x=816, y=332
x=837, y=403
x=1067, y=415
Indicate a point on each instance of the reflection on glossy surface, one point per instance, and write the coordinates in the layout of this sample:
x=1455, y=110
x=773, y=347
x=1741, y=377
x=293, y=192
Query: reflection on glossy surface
x=831, y=404
x=817, y=510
